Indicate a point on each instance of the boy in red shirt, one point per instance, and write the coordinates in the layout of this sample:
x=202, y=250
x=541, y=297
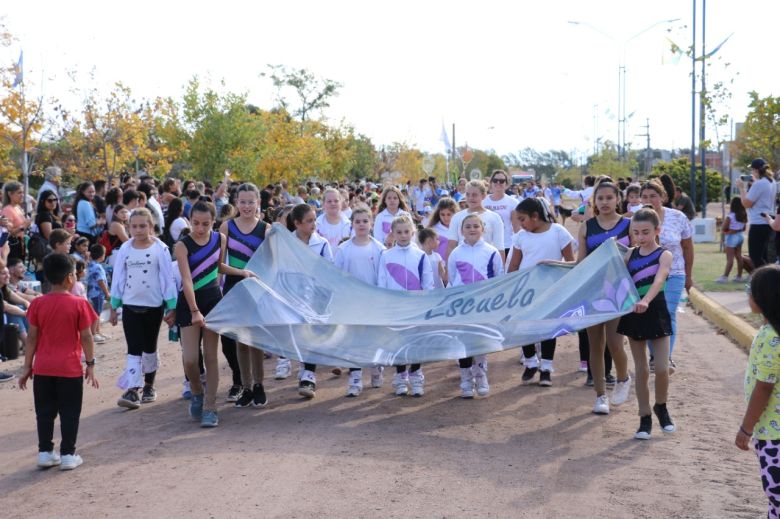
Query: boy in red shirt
x=59, y=331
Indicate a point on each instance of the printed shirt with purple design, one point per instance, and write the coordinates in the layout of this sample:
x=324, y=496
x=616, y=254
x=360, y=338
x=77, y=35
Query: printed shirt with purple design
x=675, y=227
x=595, y=234
x=399, y=269
x=442, y=230
x=469, y=264
x=383, y=223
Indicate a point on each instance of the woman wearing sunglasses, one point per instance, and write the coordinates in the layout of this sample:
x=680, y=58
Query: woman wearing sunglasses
x=500, y=202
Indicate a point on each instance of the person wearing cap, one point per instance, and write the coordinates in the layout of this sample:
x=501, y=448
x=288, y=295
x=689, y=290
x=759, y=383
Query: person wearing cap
x=759, y=200
x=52, y=176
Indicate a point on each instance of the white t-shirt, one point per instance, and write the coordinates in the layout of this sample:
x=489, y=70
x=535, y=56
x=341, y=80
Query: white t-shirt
x=334, y=233
x=494, y=228
x=142, y=281
x=435, y=260
x=177, y=226
x=538, y=246
x=361, y=261
x=503, y=208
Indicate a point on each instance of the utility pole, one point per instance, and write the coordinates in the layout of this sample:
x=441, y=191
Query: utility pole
x=693, y=106
x=648, y=151
x=702, y=111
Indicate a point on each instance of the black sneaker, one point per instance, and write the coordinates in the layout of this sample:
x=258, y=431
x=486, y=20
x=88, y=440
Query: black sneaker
x=149, y=395
x=529, y=374
x=589, y=380
x=258, y=396
x=306, y=388
x=663, y=418
x=645, y=427
x=234, y=393
x=5, y=377
x=544, y=379
x=245, y=399
x=610, y=380
x=129, y=400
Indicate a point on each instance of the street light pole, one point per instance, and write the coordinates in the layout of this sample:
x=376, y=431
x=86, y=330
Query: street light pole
x=693, y=107
x=622, y=118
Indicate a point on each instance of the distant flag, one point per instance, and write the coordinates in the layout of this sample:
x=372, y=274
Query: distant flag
x=676, y=52
x=19, y=71
x=716, y=49
x=444, y=138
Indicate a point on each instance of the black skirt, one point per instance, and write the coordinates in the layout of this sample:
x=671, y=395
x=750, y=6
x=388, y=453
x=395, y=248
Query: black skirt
x=653, y=324
x=206, y=298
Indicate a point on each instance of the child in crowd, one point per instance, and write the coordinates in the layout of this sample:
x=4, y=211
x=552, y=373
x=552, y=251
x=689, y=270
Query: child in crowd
x=733, y=237
x=245, y=233
x=440, y=222
x=331, y=224
x=143, y=287
x=359, y=256
x=200, y=256
x=494, y=226
x=81, y=249
x=761, y=377
x=542, y=240
x=79, y=289
x=649, y=265
x=302, y=222
x=59, y=241
x=59, y=336
x=97, y=285
x=429, y=241
x=470, y=262
x=392, y=205
x=633, y=202
x=405, y=267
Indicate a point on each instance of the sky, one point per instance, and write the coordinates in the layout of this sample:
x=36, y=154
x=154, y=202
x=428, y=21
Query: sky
x=509, y=75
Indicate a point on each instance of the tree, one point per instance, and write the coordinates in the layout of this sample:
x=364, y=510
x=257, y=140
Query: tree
x=607, y=162
x=680, y=171
x=760, y=135
x=313, y=93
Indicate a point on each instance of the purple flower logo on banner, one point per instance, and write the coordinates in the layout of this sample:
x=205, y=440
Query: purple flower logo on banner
x=617, y=299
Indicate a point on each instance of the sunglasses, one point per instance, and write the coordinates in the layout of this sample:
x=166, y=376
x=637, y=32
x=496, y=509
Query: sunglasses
x=499, y=181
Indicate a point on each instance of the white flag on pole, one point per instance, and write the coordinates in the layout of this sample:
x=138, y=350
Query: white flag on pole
x=19, y=71
x=444, y=138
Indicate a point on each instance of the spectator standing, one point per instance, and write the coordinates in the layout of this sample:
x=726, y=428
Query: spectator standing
x=683, y=203
x=758, y=200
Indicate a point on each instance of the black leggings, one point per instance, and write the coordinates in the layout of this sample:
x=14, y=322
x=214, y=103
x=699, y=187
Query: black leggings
x=758, y=242
x=401, y=369
x=141, y=325
x=229, y=351
x=57, y=395
x=548, y=350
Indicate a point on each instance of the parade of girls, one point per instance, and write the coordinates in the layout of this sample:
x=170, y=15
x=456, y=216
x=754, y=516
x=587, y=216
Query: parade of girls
x=175, y=269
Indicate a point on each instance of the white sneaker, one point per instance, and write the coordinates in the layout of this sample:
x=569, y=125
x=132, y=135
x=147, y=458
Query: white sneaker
x=71, y=461
x=377, y=379
x=602, y=405
x=99, y=338
x=480, y=378
x=621, y=391
x=466, y=383
x=283, y=369
x=355, y=384
x=401, y=383
x=417, y=381
x=583, y=366
x=48, y=459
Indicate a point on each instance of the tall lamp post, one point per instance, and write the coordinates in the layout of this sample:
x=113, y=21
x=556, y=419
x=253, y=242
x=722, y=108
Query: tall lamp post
x=621, y=134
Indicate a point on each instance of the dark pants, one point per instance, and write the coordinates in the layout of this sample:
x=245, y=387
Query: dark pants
x=53, y=396
x=229, y=351
x=412, y=368
x=141, y=325
x=758, y=242
x=548, y=350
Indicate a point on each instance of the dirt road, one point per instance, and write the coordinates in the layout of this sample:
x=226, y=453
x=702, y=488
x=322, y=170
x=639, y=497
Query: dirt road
x=521, y=452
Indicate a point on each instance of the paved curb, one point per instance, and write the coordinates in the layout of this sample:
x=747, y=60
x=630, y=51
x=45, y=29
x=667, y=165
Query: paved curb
x=721, y=317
